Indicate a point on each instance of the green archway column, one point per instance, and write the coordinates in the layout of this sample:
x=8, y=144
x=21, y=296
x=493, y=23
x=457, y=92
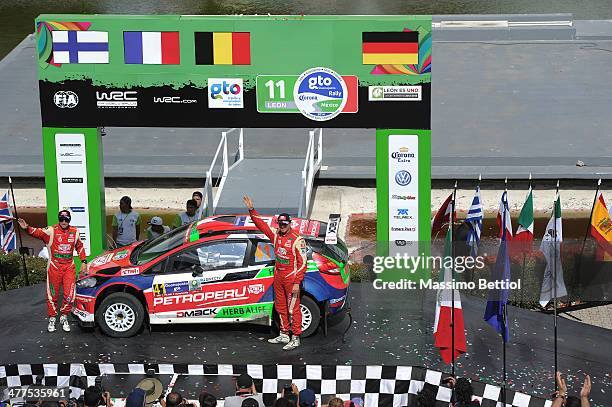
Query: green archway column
x=74, y=180
x=403, y=198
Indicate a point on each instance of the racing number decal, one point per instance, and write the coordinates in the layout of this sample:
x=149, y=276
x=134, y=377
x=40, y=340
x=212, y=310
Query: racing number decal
x=159, y=289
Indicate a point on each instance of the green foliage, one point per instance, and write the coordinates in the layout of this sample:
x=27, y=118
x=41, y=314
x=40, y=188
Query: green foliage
x=11, y=268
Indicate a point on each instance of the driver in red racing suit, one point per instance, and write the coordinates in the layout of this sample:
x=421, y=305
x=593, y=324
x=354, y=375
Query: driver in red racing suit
x=61, y=240
x=289, y=270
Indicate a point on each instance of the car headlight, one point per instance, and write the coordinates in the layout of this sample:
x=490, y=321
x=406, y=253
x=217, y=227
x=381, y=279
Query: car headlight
x=87, y=282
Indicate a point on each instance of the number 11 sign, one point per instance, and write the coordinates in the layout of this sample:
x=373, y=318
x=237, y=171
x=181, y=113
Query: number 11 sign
x=275, y=94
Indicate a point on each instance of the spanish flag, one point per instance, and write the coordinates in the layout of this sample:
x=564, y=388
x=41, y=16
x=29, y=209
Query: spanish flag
x=223, y=48
x=601, y=229
x=384, y=48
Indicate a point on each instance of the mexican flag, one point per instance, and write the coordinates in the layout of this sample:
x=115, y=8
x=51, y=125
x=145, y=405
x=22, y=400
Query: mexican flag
x=551, y=248
x=442, y=330
x=601, y=229
x=524, y=232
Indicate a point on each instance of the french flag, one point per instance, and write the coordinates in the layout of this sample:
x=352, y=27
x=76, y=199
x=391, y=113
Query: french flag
x=151, y=47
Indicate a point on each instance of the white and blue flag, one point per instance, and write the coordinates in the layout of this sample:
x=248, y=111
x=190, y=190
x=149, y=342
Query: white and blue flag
x=80, y=47
x=474, y=221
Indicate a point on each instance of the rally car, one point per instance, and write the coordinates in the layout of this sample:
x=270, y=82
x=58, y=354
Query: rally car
x=219, y=269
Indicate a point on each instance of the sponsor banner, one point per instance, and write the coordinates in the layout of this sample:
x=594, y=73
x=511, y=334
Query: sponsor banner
x=225, y=93
x=120, y=255
x=117, y=99
x=131, y=271
x=403, y=185
x=331, y=234
x=65, y=99
x=320, y=94
x=157, y=107
x=275, y=94
x=72, y=188
x=101, y=260
x=246, y=311
x=216, y=295
x=408, y=93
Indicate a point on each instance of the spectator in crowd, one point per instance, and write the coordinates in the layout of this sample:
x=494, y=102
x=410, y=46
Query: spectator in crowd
x=197, y=196
x=561, y=399
x=173, y=399
x=427, y=396
x=282, y=402
x=126, y=223
x=156, y=227
x=137, y=398
x=354, y=402
x=307, y=398
x=464, y=392
x=94, y=397
x=153, y=389
x=245, y=388
x=336, y=402
x=207, y=400
x=187, y=217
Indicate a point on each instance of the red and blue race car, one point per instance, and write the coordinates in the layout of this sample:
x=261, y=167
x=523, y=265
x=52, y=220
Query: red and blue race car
x=219, y=269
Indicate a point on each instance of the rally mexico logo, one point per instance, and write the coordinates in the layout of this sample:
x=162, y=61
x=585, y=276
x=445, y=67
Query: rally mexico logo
x=320, y=94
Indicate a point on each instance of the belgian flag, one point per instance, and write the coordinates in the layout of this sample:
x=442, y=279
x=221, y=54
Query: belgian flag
x=401, y=47
x=223, y=48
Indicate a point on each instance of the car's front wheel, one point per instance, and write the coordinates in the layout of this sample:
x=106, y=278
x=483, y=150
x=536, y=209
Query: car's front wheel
x=120, y=315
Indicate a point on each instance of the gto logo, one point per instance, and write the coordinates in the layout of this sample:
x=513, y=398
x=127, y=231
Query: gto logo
x=65, y=99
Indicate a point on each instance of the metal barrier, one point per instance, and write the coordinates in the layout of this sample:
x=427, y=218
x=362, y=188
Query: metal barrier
x=311, y=166
x=208, y=199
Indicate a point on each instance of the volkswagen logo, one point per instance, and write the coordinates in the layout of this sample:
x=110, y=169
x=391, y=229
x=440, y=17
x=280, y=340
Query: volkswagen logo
x=403, y=178
x=65, y=99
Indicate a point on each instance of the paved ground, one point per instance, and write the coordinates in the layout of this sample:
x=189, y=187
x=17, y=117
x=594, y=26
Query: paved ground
x=389, y=327
x=596, y=316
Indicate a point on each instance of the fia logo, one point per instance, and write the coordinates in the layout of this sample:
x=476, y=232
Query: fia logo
x=65, y=99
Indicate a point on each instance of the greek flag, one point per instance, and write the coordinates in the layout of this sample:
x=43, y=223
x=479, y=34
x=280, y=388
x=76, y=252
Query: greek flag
x=474, y=221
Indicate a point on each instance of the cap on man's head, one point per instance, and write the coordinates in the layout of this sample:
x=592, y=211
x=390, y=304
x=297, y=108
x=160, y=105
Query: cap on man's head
x=65, y=213
x=136, y=398
x=244, y=381
x=307, y=398
x=126, y=200
x=284, y=219
x=156, y=221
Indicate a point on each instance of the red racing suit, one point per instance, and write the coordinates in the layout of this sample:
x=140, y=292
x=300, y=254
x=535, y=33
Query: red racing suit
x=60, y=269
x=289, y=269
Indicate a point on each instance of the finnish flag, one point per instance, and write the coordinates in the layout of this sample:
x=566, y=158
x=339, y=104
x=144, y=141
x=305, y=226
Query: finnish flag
x=80, y=47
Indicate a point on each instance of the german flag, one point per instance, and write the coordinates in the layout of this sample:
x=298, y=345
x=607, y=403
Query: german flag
x=223, y=48
x=386, y=48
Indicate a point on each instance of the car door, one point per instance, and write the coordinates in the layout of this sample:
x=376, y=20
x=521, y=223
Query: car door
x=200, y=281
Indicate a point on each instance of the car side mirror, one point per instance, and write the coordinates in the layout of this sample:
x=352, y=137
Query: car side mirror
x=197, y=271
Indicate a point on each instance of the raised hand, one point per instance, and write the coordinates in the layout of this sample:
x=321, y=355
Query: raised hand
x=22, y=223
x=248, y=202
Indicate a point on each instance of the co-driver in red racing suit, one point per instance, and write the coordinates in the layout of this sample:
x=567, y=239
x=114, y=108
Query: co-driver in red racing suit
x=289, y=270
x=61, y=242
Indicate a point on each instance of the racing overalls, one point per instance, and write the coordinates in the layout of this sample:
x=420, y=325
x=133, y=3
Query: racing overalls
x=60, y=269
x=289, y=269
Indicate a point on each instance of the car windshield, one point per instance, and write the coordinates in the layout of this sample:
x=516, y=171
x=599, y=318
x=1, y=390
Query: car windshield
x=156, y=247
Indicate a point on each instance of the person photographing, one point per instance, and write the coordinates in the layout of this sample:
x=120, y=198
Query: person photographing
x=289, y=270
x=61, y=240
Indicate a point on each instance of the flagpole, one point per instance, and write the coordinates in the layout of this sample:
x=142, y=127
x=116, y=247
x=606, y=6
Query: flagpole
x=524, y=254
x=504, y=226
x=25, y=269
x=452, y=242
x=586, y=233
x=555, y=279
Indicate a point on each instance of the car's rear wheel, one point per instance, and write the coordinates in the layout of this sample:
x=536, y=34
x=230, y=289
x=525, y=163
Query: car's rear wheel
x=120, y=315
x=311, y=317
